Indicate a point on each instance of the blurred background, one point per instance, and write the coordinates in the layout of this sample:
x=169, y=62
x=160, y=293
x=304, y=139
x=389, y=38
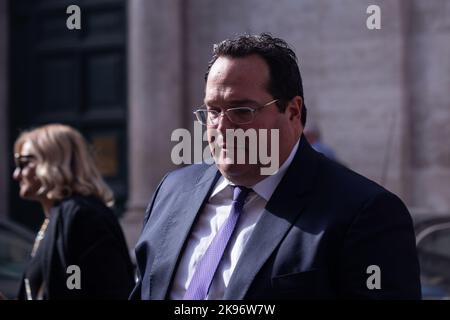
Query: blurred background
x=134, y=72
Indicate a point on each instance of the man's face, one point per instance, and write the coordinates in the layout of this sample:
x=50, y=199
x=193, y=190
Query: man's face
x=243, y=82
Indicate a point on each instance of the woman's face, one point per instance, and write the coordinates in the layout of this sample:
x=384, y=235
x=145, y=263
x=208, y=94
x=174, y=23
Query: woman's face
x=25, y=172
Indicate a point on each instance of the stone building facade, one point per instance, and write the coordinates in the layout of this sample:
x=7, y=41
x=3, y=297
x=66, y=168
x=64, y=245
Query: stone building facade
x=380, y=97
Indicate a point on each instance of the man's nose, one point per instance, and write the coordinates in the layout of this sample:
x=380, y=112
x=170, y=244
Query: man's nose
x=223, y=123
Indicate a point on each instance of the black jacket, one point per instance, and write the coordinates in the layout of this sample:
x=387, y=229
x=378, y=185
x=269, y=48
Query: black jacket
x=84, y=232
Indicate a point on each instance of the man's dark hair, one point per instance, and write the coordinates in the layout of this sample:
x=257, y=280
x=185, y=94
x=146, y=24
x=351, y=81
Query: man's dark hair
x=285, y=80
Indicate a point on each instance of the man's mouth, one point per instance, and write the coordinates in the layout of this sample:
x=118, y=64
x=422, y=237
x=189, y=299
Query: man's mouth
x=235, y=147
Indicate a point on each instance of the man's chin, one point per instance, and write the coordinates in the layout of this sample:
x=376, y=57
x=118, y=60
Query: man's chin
x=233, y=169
x=237, y=173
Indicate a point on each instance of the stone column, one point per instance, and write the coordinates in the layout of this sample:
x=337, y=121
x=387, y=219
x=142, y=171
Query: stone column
x=429, y=81
x=155, y=105
x=4, y=152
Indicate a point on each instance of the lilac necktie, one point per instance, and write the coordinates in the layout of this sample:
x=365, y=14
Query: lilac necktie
x=207, y=266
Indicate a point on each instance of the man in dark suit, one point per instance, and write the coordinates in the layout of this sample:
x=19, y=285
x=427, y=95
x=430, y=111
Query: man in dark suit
x=312, y=229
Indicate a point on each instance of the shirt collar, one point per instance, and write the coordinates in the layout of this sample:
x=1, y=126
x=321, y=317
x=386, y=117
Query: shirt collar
x=266, y=187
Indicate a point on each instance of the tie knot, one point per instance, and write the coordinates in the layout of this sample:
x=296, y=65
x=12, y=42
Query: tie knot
x=240, y=193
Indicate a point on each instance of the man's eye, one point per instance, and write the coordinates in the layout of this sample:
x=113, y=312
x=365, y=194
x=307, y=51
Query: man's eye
x=241, y=111
x=213, y=113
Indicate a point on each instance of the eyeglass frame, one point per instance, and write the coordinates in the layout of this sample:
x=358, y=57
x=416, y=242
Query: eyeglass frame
x=224, y=112
x=23, y=164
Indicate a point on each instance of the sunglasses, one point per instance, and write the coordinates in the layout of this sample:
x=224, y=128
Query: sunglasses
x=22, y=161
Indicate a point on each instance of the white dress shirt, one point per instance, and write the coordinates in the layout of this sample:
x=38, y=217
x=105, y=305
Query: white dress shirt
x=212, y=217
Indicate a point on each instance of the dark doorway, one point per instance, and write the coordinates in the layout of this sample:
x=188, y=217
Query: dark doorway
x=75, y=77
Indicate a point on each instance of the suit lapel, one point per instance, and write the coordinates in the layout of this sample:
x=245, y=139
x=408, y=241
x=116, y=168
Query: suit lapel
x=281, y=212
x=178, y=226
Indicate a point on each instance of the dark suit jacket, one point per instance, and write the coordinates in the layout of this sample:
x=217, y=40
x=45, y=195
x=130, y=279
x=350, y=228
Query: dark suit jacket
x=322, y=228
x=84, y=232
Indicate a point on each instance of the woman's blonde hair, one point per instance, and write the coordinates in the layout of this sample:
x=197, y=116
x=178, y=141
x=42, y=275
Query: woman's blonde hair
x=64, y=163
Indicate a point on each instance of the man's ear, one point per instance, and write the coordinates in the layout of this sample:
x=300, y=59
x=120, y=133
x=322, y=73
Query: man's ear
x=294, y=107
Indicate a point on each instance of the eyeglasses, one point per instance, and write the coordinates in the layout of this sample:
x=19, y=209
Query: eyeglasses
x=239, y=115
x=22, y=161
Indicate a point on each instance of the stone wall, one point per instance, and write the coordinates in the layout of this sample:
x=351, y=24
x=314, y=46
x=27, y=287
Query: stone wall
x=379, y=96
x=354, y=78
x=429, y=82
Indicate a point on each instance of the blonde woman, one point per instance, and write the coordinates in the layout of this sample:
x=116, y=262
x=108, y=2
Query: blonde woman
x=80, y=251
